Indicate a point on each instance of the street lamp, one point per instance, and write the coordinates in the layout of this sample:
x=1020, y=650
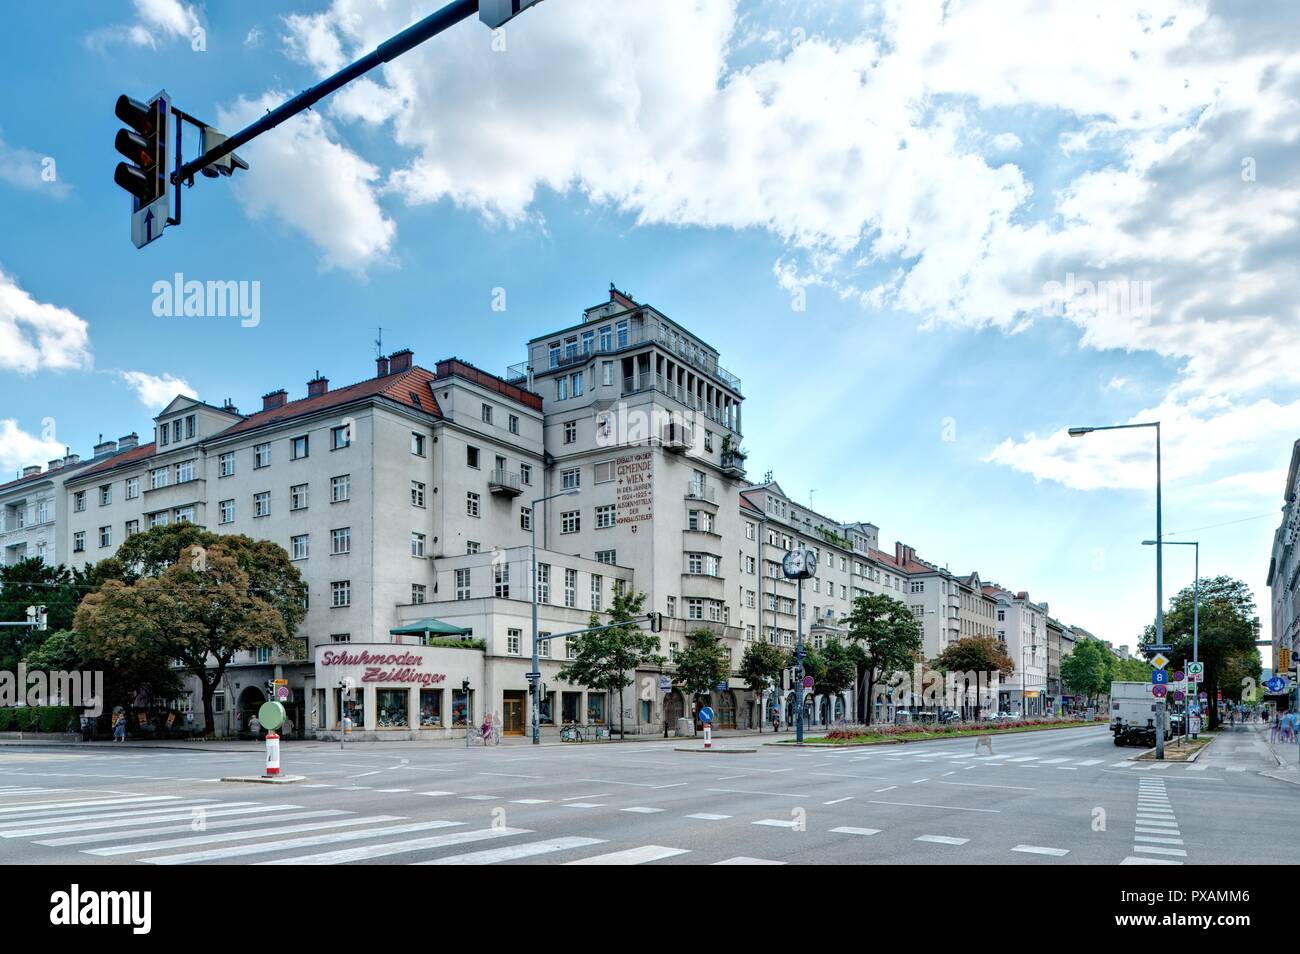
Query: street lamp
x=534, y=677
x=1196, y=594
x=1158, y=542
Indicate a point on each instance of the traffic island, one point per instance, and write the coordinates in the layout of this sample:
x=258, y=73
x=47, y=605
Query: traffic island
x=269, y=779
x=1177, y=751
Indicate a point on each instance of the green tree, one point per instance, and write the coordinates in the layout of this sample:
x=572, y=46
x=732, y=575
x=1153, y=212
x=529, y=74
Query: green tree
x=1087, y=670
x=888, y=639
x=838, y=668
x=31, y=582
x=761, y=668
x=1229, y=627
x=199, y=611
x=607, y=659
x=975, y=654
x=703, y=663
x=128, y=675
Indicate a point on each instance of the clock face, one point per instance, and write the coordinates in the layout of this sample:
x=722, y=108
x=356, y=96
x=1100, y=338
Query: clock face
x=799, y=564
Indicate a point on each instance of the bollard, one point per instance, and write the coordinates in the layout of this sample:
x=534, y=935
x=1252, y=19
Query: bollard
x=272, y=753
x=708, y=737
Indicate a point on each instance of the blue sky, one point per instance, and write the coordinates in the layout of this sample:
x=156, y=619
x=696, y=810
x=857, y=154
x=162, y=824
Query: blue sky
x=870, y=209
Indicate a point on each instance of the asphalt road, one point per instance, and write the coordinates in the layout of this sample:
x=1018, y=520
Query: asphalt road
x=1044, y=798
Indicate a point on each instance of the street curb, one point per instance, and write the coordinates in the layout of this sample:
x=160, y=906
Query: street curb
x=266, y=779
x=951, y=738
x=681, y=748
x=1139, y=757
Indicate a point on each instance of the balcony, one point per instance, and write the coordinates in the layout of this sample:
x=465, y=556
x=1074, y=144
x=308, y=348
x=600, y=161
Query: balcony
x=733, y=464
x=676, y=438
x=699, y=491
x=503, y=483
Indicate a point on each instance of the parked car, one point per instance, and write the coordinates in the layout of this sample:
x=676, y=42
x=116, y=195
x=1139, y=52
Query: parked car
x=948, y=716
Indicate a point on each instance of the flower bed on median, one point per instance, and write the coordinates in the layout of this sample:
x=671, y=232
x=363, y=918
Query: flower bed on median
x=863, y=735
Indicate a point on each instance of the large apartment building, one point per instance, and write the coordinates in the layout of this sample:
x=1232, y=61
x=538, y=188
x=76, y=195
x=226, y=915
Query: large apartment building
x=409, y=502
x=1284, y=567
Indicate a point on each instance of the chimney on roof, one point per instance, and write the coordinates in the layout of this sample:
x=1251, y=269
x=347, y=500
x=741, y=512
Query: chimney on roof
x=104, y=448
x=32, y=469
x=381, y=367
x=55, y=464
x=317, y=386
x=70, y=459
x=127, y=441
x=401, y=360
x=274, y=399
x=229, y=407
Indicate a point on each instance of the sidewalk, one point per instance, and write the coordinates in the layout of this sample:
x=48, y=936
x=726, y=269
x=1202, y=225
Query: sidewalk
x=1284, y=755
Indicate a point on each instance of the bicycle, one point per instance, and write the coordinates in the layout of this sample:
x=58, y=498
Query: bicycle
x=571, y=733
x=489, y=733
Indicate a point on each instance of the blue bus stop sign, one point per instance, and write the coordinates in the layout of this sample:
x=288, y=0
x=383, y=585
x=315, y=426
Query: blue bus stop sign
x=706, y=714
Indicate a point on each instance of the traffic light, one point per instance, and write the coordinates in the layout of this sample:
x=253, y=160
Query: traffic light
x=656, y=621
x=496, y=12
x=42, y=619
x=144, y=175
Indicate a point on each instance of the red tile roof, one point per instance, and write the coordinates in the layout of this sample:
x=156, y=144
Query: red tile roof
x=402, y=387
x=116, y=460
x=30, y=477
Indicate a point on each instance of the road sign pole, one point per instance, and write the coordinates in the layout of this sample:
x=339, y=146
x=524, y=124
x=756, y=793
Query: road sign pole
x=798, y=667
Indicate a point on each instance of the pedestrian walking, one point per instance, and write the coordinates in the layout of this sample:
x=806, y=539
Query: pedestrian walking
x=119, y=727
x=255, y=727
x=1274, y=728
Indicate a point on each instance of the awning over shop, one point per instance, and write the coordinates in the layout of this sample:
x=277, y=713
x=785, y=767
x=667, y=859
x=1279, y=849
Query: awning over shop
x=430, y=627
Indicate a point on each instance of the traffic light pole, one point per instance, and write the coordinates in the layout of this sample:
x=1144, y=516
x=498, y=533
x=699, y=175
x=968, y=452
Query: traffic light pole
x=389, y=50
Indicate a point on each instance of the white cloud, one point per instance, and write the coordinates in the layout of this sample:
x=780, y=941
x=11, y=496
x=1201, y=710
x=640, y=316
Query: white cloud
x=303, y=177
x=156, y=391
x=157, y=21
x=36, y=336
x=30, y=171
x=21, y=449
x=253, y=39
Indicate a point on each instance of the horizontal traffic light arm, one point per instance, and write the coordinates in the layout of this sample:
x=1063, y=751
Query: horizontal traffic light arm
x=390, y=49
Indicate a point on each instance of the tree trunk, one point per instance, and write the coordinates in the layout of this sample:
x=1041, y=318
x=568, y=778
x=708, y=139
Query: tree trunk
x=622, y=729
x=862, y=696
x=871, y=684
x=207, y=691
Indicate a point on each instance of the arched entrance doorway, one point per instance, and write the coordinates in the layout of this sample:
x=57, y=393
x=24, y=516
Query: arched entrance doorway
x=250, y=700
x=674, y=708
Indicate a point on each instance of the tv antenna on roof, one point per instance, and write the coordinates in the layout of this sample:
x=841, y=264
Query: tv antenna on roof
x=379, y=343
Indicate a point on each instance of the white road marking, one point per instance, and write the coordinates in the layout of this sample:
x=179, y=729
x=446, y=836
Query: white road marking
x=848, y=830
x=64, y=826
x=743, y=860
x=639, y=810
x=946, y=808
x=529, y=801
x=1161, y=851
x=1158, y=841
x=776, y=823
x=28, y=808
x=492, y=856
x=1038, y=850
x=138, y=847
x=435, y=794
x=632, y=856
x=1134, y=860
x=1156, y=831
x=836, y=801
x=262, y=847
x=177, y=829
x=584, y=805
x=705, y=816
x=367, y=852
x=941, y=840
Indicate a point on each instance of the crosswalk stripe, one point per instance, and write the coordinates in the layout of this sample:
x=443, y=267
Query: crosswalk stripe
x=76, y=814
x=209, y=825
x=62, y=826
x=941, y=840
x=705, y=816
x=239, y=851
x=632, y=856
x=137, y=847
x=1169, y=822
x=1156, y=831
x=493, y=856
x=1161, y=851
x=1135, y=860
x=639, y=810
x=1038, y=850
x=1056, y=761
x=1158, y=841
x=849, y=830
x=367, y=852
x=1124, y=764
x=1091, y=761
x=1197, y=768
x=521, y=801
x=30, y=807
x=776, y=823
x=744, y=860
x=1024, y=758
x=584, y=805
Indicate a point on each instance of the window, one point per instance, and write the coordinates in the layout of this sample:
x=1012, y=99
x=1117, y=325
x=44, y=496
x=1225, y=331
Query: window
x=132, y=488
x=501, y=581
x=417, y=444
x=164, y=435
x=526, y=473
x=487, y=413
x=471, y=457
x=597, y=592
x=471, y=504
x=159, y=519
x=699, y=520
x=672, y=606
x=588, y=340
x=341, y=593
x=513, y=423
x=340, y=488
x=341, y=540
x=695, y=609
x=298, y=497
x=340, y=437
x=606, y=340
x=417, y=494
x=570, y=587
x=749, y=530
x=621, y=333
x=105, y=494
x=604, y=471
x=299, y=546
x=570, y=432
x=79, y=501
x=561, y=388
x=544, y=652
x=417, y=592
x=570, y=521
x=750, y=565
x=918, y=586
x=79, y=542
x=417, y=544
x=514, y=641
x=105, y=536
x=575, y=383
x=749, y=599
x=543, y=582
x=262, y=504
x=159, y=477
x=462, y=583
x=673, y=649
x=261, y=455
x=708, y=442
x=132, y=527
x=607, y=372
x=604, y=516
x=607, y=556
x=226, y=464
x=471, y=546
x=226, y=509
x=571, y=478
x=525, y=518
x=554, y=353
x=298, y=448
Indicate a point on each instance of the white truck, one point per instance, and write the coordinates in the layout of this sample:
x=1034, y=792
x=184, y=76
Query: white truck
x=1133, y=714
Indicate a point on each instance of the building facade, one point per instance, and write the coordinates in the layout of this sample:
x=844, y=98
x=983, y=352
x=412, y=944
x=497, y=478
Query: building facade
x=1284, y=567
